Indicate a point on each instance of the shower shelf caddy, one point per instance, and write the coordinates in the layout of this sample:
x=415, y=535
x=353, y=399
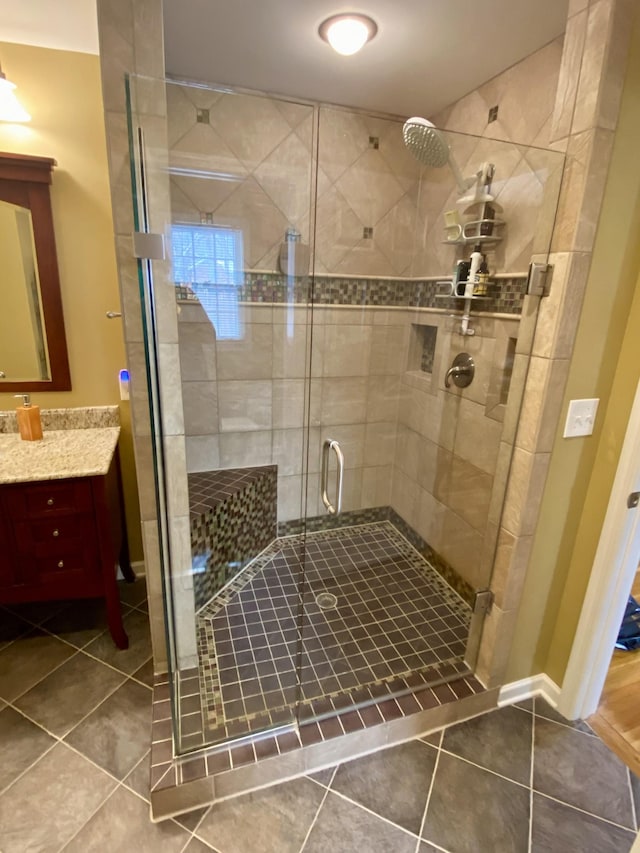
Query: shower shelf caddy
x=464, y=240
x=476, y=226
x=470, y=233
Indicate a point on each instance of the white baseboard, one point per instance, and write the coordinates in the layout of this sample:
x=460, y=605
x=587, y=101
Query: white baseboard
x=536, y=685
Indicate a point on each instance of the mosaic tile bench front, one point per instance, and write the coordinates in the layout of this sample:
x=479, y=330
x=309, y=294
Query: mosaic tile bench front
x=232, y=519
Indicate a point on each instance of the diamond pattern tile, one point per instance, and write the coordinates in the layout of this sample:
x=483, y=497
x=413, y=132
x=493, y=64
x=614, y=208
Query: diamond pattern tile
x=235, y=114
x=285, y=175
x=372, y=191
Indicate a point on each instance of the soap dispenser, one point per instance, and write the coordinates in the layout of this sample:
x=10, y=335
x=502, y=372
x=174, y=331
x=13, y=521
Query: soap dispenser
x=29, y=423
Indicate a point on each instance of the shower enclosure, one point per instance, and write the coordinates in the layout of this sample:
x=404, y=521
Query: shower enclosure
x=329, y=510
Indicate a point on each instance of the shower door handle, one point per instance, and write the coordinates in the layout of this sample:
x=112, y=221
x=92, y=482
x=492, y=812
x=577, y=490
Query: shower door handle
x=327, y=447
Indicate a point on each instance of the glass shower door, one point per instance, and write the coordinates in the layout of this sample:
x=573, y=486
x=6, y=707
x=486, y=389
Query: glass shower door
x=228, y=180
x=416, y=392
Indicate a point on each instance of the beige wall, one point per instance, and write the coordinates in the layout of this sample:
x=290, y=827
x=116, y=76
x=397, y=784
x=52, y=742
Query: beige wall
x=604, y=364
x=61, y=91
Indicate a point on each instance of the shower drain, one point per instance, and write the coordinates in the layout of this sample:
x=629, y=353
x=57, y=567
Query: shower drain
x=326, y=600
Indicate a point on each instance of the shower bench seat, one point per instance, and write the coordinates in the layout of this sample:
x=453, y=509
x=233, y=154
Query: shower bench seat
x=233, y=517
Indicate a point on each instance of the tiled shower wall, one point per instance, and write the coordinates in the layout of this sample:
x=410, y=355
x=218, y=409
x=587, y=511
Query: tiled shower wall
x=428, y=452
x=524, y=96
x=448, y=440
x=264, y=182
x=379, y=213
x=244, y=398
x=449, y=456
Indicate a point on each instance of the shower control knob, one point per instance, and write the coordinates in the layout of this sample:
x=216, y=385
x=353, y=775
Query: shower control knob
x=461, y=371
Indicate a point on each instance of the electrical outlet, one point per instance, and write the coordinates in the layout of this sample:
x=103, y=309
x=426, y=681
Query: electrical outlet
x=580, y=418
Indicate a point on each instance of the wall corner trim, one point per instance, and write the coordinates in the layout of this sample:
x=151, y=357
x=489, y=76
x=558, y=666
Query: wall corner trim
x=525, y=688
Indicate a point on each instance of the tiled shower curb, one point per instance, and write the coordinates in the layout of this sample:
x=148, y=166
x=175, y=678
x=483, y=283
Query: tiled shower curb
x=208, y=776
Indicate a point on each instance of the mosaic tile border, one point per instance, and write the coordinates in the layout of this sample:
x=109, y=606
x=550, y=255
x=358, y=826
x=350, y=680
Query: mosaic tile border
x=505, y=295
x=180, y=784
x=453, y=579
x=349, y=518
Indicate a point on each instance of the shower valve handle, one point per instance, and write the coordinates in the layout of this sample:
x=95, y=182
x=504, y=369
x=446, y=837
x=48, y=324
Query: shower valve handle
x=461, y=371
x=453, y=371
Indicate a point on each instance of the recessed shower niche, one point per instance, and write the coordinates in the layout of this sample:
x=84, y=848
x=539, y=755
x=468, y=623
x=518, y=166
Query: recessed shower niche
x=257, y=375
x=427, y=337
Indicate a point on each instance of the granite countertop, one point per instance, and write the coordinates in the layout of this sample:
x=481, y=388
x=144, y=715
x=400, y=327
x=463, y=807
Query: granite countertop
x=60, y=454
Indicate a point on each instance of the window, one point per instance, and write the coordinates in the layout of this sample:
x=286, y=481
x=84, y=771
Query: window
x=208, y=258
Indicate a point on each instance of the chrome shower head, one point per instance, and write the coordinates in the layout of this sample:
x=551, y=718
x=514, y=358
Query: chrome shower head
x=429, y=147
x=425, y=142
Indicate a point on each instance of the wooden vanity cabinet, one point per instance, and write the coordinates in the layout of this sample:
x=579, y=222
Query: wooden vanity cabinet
x=63, y=539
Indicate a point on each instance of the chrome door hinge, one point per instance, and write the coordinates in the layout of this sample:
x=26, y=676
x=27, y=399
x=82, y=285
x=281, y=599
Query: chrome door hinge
x=483, y=601
x=148, y=246
x=538, y=280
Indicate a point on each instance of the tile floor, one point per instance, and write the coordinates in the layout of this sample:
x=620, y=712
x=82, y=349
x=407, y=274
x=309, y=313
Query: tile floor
x=74, y=737
x=394, y=617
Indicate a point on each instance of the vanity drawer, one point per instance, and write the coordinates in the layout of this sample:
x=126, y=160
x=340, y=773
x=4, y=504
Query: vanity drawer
x=61, y=564
x=47, y=536
x=48, y=498
x=74, y=564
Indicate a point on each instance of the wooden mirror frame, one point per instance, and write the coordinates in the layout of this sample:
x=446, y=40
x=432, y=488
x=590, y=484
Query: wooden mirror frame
x=25, y=180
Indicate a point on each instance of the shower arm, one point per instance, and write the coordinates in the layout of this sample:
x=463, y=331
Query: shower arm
x=481, y=181
x=463, y=183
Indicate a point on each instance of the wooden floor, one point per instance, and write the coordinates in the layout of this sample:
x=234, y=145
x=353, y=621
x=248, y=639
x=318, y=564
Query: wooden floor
x=617, y=720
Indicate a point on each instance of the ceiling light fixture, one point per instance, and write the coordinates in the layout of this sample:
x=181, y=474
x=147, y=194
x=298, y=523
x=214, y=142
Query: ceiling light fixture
x=10, y=107
x=348, y=33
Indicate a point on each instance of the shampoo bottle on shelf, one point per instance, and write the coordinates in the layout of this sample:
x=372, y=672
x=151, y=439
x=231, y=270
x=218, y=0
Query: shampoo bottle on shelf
x=482, y=278
x=29, y=423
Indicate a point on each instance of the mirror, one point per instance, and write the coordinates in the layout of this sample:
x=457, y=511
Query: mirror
x=33, y=349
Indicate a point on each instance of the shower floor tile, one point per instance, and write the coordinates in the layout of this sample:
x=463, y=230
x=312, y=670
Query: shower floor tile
x=395, y=625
